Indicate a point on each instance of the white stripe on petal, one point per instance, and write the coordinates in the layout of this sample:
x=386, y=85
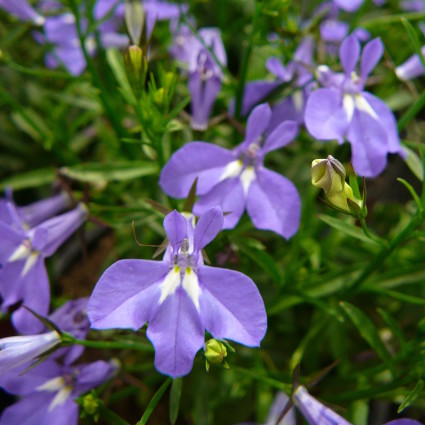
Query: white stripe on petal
x=170, y=284
x=349, y=106
x=247, y=177
x=60, y=397
x=23, y=251
x=363, y=105
x=233, y=169
x=191, y=286
x=31, y=260
x=53, y=384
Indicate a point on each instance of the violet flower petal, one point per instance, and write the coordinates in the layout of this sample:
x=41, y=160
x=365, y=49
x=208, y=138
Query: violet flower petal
x=325, y=117
x=411, y=68
x=125, y=295
x=348, y=5
x=241, y=318
x=404, y=421
x=229, y=195
x=197, y=159
x=23, y=10
x=93, y=374
x=257, y=123
x=368, y=148
x=175, y=226
x=282, y=135
x=177, y=334
x=315, y=412
x=371, y=55
x=275, y=67
x=207, y=228
x=349, y=54
x=273, y=203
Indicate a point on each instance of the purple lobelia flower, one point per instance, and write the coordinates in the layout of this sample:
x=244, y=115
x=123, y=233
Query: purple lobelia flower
x=23, y=10
x=344, y=110
x=205, y=74
x=71, y=317
x=32, y=214
x=349, y=5
x=316, y=413
x=296, y=71
x=48, y=391
x=16, y=351
x=412, y=67
x=180, y=297
x=23, y=276
x=235, y=179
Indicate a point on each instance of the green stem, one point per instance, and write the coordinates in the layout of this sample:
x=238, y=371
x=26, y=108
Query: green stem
x=113, y=345
x=110, y=111
x=391, y=19
x=384, y=253
x=245, y=62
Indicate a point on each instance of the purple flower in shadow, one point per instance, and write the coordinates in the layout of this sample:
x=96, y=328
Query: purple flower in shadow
x=236, y=179
x=344, y=110
x=205, y=74
x=23, y=10
x=71, y=317
x=48, y=391
x=180, y=297
x=23, y=275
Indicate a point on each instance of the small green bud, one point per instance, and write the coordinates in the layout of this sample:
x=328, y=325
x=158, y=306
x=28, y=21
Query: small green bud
x=215, y=353
x=328, y=174
x=136, y=65
x=90, y=406
x=158, y=96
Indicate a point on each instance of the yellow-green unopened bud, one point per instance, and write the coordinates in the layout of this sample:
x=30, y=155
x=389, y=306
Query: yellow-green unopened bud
x=159, y=96
x=136, y=65
x=215, y=352
x=328, y=174
x=90, y=405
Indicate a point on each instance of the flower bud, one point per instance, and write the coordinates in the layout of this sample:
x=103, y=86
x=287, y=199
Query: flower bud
x=215, y=352
x=136, y=65
x=328, y=174
x=18, y=350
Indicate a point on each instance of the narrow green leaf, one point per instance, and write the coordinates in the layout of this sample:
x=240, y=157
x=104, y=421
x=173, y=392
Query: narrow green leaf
x=29, y=179
x=116, y=171
x=262, y=258
x=116, y=63
x=111, y=417
x=347, y=228
x=368, y=331
x=414, y=163
x=175, y=396
x=412, y=191
x=412, y=396
x=154, y=401
x=414, y=39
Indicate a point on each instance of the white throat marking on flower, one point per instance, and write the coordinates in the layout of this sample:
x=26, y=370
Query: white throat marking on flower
x=349, y=106
x=232, y=169
x=363, y=105
x=63, y=391
x=170, y=284
x=247, y=177
x=191, y=285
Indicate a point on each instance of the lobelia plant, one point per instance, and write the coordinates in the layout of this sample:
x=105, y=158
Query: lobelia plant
x=236, y=179
x=180, y=297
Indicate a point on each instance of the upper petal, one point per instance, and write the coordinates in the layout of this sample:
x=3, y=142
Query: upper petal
x=273, y=203
x=177, y=333
x=371, y=55
x=258, y=122
x=274, y=66
x=197, y=159
x=207, y=228
x=231, y=306
x=349, y=52
x=126, y=295
x=283, y=134
x=175, y=226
